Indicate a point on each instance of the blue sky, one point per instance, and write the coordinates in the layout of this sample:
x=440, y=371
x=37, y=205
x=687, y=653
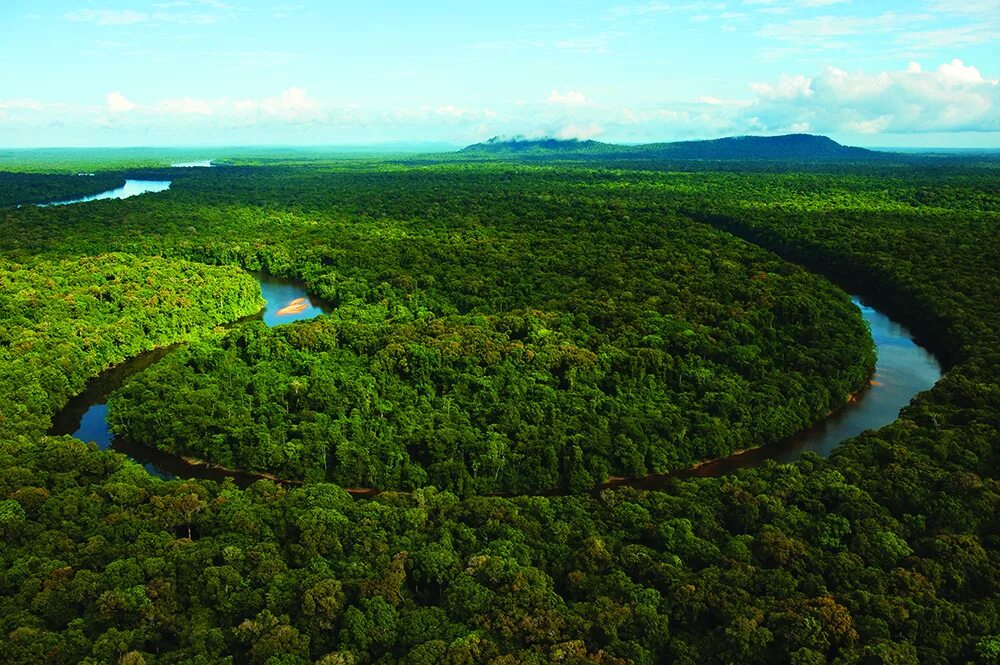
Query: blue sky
x=229, y=72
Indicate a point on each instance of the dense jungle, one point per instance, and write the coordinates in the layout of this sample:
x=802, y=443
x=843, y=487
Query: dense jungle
x=504, y=335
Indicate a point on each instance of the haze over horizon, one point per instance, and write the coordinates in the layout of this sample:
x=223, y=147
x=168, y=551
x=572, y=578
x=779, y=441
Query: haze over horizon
x=213, y=73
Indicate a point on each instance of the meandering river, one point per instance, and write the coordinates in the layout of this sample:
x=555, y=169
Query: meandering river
x=904, y=369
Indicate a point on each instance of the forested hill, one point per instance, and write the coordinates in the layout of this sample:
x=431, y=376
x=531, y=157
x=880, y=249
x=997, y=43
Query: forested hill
x=799, y=147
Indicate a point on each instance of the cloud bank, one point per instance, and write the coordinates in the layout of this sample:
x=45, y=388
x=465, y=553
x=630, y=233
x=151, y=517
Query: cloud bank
x=950, y=97
x=954, y=97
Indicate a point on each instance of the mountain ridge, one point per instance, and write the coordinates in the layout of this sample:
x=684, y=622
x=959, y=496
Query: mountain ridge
x=781, y=147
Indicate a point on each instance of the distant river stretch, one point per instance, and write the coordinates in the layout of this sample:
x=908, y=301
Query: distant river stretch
x=131, y=188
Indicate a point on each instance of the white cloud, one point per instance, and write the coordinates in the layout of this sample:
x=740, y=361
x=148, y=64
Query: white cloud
x=210, y=12
x=787, y=87
x=245, y=106
x=947, y=25
x=657, y=7
x=821, y=3
x=286, y=11
x=118, y=103
x=187, y=18
x=851, y=87
x=820, y=29
x=949, y=97
x=957, y=72
x=23, y=104
x=449, y=114
x=451, y=111
x=570, y=98
x=186, y=105
x=953, y=97
x=715, y=101
x=788, y=6
x=292, y=104
x=106, y=16
x=580, y=131
x=966, y=7
x=215, y=4
x=873, y=126
x=963, y=35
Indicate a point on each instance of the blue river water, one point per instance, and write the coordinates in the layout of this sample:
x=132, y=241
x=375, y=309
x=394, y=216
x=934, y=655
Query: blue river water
x=130, y=188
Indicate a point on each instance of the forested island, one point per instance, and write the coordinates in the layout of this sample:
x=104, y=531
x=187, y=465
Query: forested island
x=509, y=327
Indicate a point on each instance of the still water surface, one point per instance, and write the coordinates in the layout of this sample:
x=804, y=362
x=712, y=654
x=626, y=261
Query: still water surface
x=287, y=300
x=130, y=188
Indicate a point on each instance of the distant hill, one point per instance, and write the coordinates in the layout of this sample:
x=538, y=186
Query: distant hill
x=798, y=147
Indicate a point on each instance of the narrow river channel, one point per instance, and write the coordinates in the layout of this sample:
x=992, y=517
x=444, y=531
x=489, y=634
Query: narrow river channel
x=903, y=369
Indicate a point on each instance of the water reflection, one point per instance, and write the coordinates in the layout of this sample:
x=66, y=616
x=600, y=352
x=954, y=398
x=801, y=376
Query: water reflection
x=287, y=300
x=130, y=188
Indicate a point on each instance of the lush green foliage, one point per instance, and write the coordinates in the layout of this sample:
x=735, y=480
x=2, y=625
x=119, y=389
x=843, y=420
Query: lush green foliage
x=66, y=320
x=647, y=362
x=754, y=569
x=534, y=329
x=885, y=553
x=74, y=160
